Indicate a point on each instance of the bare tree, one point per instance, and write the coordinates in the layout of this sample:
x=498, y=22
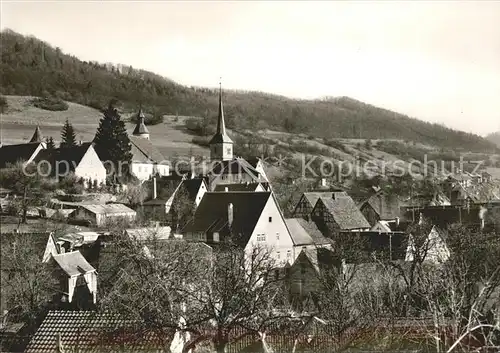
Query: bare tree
x=26, y=283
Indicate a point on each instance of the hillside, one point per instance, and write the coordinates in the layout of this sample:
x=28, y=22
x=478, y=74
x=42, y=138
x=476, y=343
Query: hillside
x=20, y=118
x=31, y=67
x=494, y=137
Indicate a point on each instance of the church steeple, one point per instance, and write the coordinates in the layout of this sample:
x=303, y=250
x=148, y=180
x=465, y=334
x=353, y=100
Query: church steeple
x=221, y=145
x=37, y=135
x=140, y=129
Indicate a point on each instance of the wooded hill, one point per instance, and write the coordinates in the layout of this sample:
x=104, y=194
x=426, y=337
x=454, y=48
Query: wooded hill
x=31, y=67
x=494, y=137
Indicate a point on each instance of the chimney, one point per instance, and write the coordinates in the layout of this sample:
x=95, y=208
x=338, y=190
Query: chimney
x=80, y=142
x=397, y=221
x=226, y=189
x=154, y=188
x=230, y=214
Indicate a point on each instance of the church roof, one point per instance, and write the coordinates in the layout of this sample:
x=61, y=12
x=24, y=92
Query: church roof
x=140, y=128
x=37, y=135
x=144, y=151
x=220, y=135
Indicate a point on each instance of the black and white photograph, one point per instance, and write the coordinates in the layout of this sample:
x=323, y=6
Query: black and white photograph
x=245, y=176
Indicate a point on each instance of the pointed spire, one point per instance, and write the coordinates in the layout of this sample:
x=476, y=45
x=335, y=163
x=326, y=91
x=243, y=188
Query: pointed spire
x=37, y=136
x=220, y=135
x=221, y=126
x=141, y=129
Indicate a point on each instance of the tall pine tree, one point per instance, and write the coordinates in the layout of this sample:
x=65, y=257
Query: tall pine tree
x=112, y=143
x=50, y=143
x=68, y=135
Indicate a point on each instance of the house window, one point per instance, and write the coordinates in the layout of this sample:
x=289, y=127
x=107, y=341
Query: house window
x=277, y=236
x=261, y=237
x=289, y=254
x=229, y=150
x=278, y=255
x=270, y=219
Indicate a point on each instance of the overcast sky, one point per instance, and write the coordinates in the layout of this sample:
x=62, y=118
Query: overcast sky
x=437, y=61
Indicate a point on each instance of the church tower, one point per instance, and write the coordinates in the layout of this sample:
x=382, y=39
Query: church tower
x=140, y=129
x=221, y=146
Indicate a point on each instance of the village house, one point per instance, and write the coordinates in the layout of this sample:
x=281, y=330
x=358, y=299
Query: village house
x=249, y=219
x=78, y=279
x=87, y=243
x=307, y=202
x=99, y=215
x=434, y=249
x=306, y=235
x=380, y=207
x=81, y=161
x=188, y=192
x=147, y=161
x=338, y=213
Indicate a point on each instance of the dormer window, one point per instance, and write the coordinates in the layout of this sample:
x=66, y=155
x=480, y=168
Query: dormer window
x=270, y=219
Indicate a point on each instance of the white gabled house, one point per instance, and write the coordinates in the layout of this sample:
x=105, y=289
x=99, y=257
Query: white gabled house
x=250, y=219
x=434, y=249
x=80, y=160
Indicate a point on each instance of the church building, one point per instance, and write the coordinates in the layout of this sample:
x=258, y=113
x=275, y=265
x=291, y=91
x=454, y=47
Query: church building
x=147, y=161
x=225, y=167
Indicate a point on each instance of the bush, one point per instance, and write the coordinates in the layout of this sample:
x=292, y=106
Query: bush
x=201, y=141
x=52, y=104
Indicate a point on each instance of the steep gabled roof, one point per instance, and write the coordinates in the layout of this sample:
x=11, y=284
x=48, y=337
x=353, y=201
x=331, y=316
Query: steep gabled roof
x=344, y=211
x=144, y=151
x=386, y=206
x=212, y=212
x=305, y=232
x=72, y=155
x=312, y=197
x=37, y=135
x=11, y=154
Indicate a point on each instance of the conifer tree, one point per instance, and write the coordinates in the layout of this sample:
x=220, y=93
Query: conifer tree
x=50, y=143
x=112, y=143
x=68, y=135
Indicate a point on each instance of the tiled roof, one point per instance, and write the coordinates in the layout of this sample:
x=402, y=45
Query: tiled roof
x=320, y=258
x=111, y=208
x=212, y=212
x=144, y=151
x=344, y=211
x=11, y=154
x=313, y=197
x=304, y=232
x=89, y=331
x=73, y=263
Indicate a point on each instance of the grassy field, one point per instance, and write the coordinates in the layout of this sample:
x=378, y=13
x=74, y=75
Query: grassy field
x=19, y=121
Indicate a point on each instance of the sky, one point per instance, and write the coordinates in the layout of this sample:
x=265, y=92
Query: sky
x=436, y=61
